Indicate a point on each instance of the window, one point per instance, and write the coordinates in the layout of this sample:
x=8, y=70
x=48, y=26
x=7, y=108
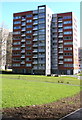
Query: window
x=16, y=38
x=16, y=54
x=68, y=48
x=16, y=65
x=29, y=21
x=68, y=38
x=68, y=65
x=67, y=22
x=29, y=26
x=28, y=37
x=67, y=17
x=16, y=43
x=16, y=59
x=16, y=48
x=28, y=65
x=17, y=22
x=69, y=32
x=29, y=31
x=68, y=27
x=68, y=59
x=17, y=27
x=68, y=43
x=16, y=32
x=68, y=54
x=29, y=15
x=17, y=17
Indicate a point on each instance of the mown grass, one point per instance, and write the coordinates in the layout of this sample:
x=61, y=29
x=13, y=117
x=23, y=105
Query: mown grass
x=25, y=90
x=62, y=79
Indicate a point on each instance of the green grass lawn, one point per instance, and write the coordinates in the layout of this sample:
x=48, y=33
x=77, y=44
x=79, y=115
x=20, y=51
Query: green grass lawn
x=64, y=79
x=25, y=90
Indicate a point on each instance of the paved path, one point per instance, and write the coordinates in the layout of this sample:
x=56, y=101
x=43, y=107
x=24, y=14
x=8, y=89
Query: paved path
x=76, y=115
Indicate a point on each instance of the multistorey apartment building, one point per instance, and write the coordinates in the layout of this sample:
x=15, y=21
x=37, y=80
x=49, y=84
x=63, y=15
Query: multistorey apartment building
x=64, y=41
x=44, y=43
x=32, y=41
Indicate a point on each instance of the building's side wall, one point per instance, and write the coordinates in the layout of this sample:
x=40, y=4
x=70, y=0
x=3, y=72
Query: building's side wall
x=75, y=45
x=48, y=40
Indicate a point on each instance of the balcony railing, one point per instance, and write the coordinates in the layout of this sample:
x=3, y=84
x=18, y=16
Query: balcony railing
x=23, y=51
x=35, y=39
x=35, y=17
x=23, y=56
x=35, y=12
x=35, y=56
x=35, y=50
x=22, y=40
x=35, y=45
x=23, y=35
x=22, y=62
x=23, y=45
x=35, y=28
x=35, y=62
x=60, y=62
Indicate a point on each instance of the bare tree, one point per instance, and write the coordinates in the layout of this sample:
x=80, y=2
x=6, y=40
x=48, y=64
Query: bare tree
x=3, y=42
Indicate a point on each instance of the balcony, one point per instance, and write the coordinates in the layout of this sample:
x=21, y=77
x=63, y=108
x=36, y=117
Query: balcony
x=60, y=41
x=35, y=23
x=23, y=19
x=36, y=33
x=41, y=16
x=35, y=56
x=61, y=46
x=35, y=45
x=23, y=56
x=35, y=12
x=22, y=40
x=23, y=24
x=23, y=29
x=35, y=50
x=22, y=62
x=23, y=51
x=35, y=28
x=23, y=45
x=60, y=25
x=35, y=17
x=60, y=57
x=60, y=36
x=35, y=39
x=35, y=67
x=23, y=35
x=61, y=51
x=35, y=62
x=60, y=30
x=60, y=62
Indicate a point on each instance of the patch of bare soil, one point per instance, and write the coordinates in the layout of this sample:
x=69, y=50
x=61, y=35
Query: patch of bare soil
x=51, y=111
